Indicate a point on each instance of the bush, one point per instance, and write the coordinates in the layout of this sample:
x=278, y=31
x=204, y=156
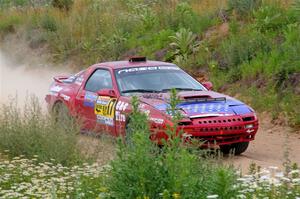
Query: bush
x=270, y=18
x=142, y=170
x=48, y=23
x=62, y=4
x=32, y=133
x=244, y=47
x=8, y=23
x=244, y=8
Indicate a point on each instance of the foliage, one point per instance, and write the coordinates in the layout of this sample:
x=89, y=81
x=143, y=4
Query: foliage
x=26, y=178
x=32, y=133
x=244, y=8
x=145, y=171
x=244, y=47
x=270, y=18
x=62, y=4
x=184, y=44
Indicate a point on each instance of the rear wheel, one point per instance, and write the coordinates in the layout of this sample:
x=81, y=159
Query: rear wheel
x=61, y=113
x=236, y=148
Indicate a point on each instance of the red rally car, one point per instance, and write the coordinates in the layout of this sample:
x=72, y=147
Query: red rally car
x=101, y=96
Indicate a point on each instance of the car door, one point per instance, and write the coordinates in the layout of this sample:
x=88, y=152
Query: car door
x=97, y=112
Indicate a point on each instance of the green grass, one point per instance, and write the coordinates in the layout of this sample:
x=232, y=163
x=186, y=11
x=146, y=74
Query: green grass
x=29, y=132
x=140, y=170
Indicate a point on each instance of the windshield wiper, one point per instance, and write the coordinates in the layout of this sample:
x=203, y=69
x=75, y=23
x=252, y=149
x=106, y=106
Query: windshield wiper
x=181, y=89
x=141, y=91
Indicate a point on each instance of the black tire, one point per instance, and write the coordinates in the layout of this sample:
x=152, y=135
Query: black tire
x=61, y=113
x=236, y=148
x=240, y=147
x=225, y=149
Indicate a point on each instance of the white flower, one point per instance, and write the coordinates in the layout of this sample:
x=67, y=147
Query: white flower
x=212, y=196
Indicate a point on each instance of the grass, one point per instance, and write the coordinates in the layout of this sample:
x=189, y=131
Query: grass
x=140, y=170
x=30, y=132
x=261, y=46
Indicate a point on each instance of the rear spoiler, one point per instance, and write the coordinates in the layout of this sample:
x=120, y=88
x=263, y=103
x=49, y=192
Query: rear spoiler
x=60, y=78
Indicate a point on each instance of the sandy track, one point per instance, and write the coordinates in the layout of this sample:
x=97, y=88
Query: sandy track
x=16, y=77
x=269, y=147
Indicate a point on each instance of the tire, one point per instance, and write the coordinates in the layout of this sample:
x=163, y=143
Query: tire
x=236, y=148
x=61, y=113
x=240, y=147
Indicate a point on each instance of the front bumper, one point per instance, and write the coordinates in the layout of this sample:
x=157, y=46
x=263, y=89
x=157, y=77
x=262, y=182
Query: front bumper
x=222, y=130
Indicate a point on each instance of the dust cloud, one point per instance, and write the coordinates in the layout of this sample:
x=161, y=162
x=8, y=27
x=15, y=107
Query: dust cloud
x=23, y=75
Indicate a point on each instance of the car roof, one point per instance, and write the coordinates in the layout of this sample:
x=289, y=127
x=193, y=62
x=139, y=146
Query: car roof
x=128, y=64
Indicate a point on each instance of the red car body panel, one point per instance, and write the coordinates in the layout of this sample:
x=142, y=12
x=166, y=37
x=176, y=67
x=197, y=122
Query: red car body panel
x=220, y=129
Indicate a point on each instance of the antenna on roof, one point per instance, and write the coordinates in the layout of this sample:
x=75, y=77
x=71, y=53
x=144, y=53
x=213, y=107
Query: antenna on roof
x=137, y=59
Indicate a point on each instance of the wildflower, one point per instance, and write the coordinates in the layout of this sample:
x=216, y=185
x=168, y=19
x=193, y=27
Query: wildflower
x=212, y=196
x=176, y=195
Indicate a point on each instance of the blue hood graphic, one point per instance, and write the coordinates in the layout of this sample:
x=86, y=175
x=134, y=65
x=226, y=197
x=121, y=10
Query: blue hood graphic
x=210, y=108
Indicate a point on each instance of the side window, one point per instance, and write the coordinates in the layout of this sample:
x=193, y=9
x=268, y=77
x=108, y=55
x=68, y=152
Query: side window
x=100, y=79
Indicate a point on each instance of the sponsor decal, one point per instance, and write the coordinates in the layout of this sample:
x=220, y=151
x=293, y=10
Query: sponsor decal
x=105, y=120
x=79, y=80
x=89, y=99
x=149, y=68
x=120, y=117
x=65, y=97
x=105, y=106
x=56, y=89
x=156, y=120
x=121, y=106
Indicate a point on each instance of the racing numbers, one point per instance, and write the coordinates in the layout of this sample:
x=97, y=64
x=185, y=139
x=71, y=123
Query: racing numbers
x=121, y=106
x=105, y=106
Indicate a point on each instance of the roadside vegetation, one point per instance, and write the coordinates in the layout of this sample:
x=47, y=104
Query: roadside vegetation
x=141, y=169
x=248, y=47
x=245, y=47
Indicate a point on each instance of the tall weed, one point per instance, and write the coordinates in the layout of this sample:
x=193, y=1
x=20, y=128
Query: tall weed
x=33, y=134
x=142, y=170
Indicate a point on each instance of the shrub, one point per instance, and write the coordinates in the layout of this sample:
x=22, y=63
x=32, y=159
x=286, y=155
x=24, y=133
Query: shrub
x=8, y=23
x=244, y=47
x=62, y=4
x=32, y=133
x=48, y=23
x=270, y=18
x=244, y=7
x=142, y=170
x=185, y=17
x=183, y=44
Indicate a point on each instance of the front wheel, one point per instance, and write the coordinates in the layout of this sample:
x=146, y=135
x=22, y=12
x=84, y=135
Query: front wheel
x=236, y=148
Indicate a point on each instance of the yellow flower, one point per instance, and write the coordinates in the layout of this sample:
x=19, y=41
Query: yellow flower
x=103, y=189
x=176, y=195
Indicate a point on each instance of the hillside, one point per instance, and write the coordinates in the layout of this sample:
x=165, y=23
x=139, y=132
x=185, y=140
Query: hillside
x=248, y=47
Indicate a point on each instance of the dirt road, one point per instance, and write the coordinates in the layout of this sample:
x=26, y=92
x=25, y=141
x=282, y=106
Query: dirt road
x=269, y=147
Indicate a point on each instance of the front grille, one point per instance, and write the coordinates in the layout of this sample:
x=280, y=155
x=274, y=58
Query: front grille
x=219, y=121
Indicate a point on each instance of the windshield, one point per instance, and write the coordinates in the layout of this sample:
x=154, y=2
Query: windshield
x=154, y=79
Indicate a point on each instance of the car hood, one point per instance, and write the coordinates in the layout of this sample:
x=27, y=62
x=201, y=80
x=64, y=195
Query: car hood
x=197, y=104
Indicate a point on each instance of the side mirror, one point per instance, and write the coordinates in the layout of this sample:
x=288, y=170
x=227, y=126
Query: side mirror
x=107, y=92
x=208, y=85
